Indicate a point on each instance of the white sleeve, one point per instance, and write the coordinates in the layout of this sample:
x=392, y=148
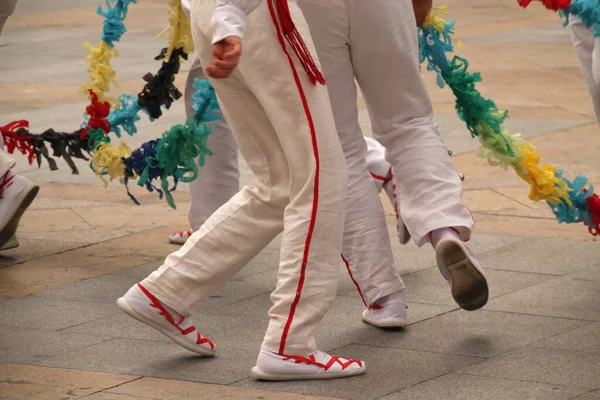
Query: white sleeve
x=185, y=4
x=230, y=17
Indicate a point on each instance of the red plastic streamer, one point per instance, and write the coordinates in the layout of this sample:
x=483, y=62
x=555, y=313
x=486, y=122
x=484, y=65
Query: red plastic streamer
x=98, y=111
x=13, y=140
x=594, y=210
x=554, y=5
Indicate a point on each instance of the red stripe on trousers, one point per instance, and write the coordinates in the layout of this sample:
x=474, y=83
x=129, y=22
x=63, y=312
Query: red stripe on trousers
x=379, y=178
x=354, y=281
x=313, y=215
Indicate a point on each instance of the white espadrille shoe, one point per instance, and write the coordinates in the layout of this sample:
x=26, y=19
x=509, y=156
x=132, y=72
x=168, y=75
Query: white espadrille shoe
x=143, y=306
x=388, y=312
x=458, y=264
x=319, y=365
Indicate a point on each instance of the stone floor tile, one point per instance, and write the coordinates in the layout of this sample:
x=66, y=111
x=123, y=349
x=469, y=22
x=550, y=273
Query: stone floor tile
x=585, y=339
x=477, y=334
x=467, y=387
x=26, y=345
x=542, y=365
x=26, y=382
x=35, y=312
x=557, y=256
x=162, y=360
x=560, y=297
x=166, y=389
x=388, y=370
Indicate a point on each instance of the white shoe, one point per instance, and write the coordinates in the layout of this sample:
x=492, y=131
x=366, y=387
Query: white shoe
x=143, y=306
x=16, y=194
x=319, y=365
x=390, y=190
x=388, y=312
x=180, y=237
x=12, y=243
x=457, y=263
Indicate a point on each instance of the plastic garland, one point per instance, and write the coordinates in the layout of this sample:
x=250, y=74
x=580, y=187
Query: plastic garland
x=571, y=201
x=185, y=142
x=587, y=11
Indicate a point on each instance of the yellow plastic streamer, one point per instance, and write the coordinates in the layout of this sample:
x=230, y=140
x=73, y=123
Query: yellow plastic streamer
x=108, y=160
x=101, y=72
x=542, y=178
x=181, y=31
x=438, y=23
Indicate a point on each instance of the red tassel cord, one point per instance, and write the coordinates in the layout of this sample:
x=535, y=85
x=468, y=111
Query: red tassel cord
x=553, y=5
x=98, y=111
x=15, y=136
x=294, y=39
x=594, y=210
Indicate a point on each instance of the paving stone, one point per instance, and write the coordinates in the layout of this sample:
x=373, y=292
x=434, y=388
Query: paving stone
x=585, y=339
x=465, y=387
x=409, y=258
x=428, y=286
x=161, y=360
x=560, y=297
x=103, y=289
x=594, y=395
x=388, y=370
x=35, y=312
x=547, y=34
x=545, y=256
x=477, y=334
x=26, y=382
x=543, y=365
x=165, y=389
x=26, y=345
x=346, y=311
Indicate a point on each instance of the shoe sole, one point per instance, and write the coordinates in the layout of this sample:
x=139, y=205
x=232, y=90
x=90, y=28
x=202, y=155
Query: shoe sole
x=125, y=307
x=390, y=323
x=468, y=284
x=258, y=374
x=12, y=243
x=22, y=202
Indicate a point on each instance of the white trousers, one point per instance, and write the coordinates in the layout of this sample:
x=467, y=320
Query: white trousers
x=300, y=187
x=6, y=161
x=366, y=249
x=219, y=179
x=588, y=51
x=376, y=43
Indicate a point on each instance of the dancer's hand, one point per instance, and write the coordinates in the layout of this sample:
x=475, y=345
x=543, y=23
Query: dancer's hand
x=422, y=8
x=226, y=56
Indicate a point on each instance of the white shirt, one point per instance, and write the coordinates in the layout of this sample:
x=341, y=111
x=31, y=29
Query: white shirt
x=229, y=18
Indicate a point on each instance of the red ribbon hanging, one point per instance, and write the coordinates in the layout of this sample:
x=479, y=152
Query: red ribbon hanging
x=294, y=39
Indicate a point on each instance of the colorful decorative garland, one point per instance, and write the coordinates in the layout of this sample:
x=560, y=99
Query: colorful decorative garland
x=174, y=155
x=181, y=144
x=571, y=202
x=587, y=11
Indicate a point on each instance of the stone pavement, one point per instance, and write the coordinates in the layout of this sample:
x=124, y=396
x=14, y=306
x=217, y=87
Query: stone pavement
x=82, y=246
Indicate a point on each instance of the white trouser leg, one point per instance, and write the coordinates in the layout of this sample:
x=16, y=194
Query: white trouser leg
x=293, y=191
x=6, y=161
x=366, y=246
x=401, y=115
x=586, y=49
x=219, y=179
x=376, y=162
